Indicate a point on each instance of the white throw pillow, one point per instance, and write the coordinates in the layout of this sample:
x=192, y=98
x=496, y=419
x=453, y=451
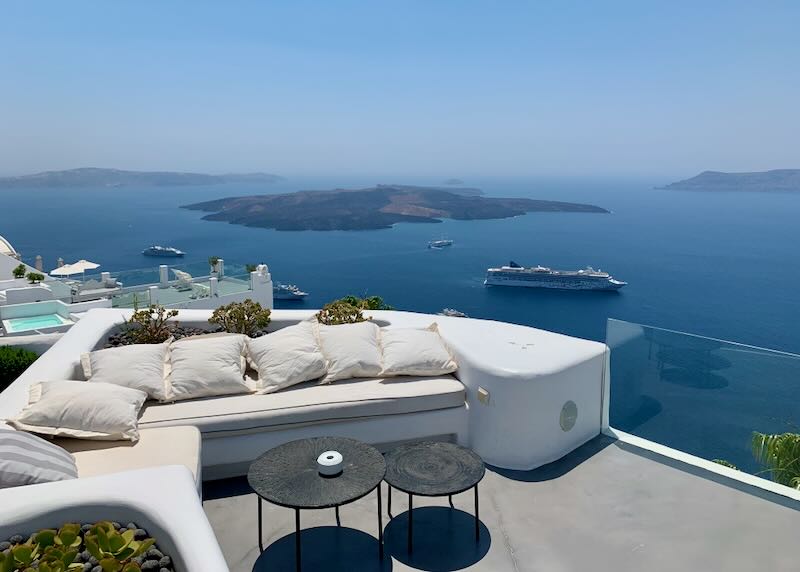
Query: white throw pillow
x=351, y=350
x=102, y=411
x=208, y=366
x=409, y=351
x=287, y=357
x=139, y=366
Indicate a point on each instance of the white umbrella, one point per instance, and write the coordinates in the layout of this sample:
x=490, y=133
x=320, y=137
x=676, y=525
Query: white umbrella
x=75, y=268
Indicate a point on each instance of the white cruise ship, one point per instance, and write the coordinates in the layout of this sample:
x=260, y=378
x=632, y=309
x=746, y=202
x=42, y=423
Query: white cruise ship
x=542, y=277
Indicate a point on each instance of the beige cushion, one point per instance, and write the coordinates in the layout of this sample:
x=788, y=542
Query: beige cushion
x=163, y=446
x=85, y=410
x=140, y=366
x=351, y=350
x=412, y=351
x=287, y=357
x=208, y=366
x=309, y=403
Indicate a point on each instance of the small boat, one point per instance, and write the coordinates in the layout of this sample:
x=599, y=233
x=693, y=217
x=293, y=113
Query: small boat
x=162, y=251
x=287, y=292
x=441, y=243
x=452, y=313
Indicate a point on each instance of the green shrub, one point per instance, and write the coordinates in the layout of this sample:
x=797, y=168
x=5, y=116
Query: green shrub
x=34, y=277
x=13, y=361
x=213, y=261
x=150, y=326
x=246, y=317
x=368, y=303
x=251, y=267
x=340, y=312
x=19, y=271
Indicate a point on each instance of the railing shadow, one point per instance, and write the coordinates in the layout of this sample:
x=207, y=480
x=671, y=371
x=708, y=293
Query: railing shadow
x=328, y=548
x=444, y=539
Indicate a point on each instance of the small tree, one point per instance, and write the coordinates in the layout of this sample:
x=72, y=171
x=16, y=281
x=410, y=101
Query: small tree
x=34, y=277
x=213, y=261
x=13, y=361
x=368, y=303
x=19, y=271
x=246, y=317
x=251, y=267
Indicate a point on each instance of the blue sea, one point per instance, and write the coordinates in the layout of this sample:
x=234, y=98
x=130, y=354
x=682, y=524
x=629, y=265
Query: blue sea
x=724, y=265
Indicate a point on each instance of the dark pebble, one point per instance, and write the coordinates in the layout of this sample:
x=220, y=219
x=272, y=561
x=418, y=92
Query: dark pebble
x=87, y=557
x=131, y=526
x=5, y=545
x=16, y=539
x=87, y=567
x=97, y=569
x=138, y=559
x=140, y=534
x=150, y=565
x=154, y=554
x=86, y=526
x=165, y=562
x=116, y=525
x=93, y=561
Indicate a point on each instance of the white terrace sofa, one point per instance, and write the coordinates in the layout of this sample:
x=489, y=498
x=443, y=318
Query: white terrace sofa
x=521, y=397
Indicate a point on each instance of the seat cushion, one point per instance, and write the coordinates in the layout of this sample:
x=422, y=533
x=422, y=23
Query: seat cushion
x=161, y=446
x=308, y=403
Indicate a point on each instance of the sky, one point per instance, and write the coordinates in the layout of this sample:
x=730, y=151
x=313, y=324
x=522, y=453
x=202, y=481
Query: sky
x=446, y=88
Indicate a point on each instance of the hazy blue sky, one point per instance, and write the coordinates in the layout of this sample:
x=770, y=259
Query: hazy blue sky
x=441, y=88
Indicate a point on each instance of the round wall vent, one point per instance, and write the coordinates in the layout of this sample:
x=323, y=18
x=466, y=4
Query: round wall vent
x=569, y=415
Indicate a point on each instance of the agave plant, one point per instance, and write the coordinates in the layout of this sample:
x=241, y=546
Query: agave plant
x=780, y=454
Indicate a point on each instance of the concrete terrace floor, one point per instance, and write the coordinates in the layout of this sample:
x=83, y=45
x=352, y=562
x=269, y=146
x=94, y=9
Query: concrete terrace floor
x=606, y=506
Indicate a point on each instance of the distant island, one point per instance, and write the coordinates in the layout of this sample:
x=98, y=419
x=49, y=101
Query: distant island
x=373, y=208
x=454, y=182
x=778, y=180
x=94, y=177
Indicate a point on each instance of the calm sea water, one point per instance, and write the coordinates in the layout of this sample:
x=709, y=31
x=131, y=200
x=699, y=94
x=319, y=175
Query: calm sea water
x=722, y=265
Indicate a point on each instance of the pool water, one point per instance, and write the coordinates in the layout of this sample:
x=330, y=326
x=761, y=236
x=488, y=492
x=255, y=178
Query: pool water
x=35, y=322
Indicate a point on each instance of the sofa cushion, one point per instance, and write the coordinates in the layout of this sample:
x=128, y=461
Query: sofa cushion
x=208, y=366
x=414, y=351
x=101, y=411
x=287, y=357
x=26, y=459
x=351, y=350
x=308, y=403
x=139, y=366
x=162, y=446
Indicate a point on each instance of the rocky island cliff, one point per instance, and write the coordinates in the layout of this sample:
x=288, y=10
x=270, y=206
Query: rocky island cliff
x=373, y=208
x=778, y=180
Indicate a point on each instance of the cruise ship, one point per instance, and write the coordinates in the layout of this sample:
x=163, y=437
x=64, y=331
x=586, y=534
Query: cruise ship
x=162, y=251
x=543, y=277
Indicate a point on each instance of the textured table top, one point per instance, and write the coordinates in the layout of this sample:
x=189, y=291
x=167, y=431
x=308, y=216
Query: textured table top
x=433, y=469
x=287, y=475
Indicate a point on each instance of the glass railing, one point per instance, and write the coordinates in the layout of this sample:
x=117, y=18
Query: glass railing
x=699, y=395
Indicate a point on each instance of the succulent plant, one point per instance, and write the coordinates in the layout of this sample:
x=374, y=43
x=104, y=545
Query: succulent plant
x=50, y=550
x=150, y=326
x=247, y=317
x=114, y=548
x=340, y=312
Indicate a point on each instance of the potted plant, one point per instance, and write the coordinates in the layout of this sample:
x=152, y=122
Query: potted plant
x=34, y=277
x=19, y=271
x=213, y=262
x=247, y=317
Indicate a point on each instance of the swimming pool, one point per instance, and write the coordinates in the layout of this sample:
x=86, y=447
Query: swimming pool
x=16, y=325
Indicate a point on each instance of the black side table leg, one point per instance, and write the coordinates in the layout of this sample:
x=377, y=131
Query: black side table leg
x=297, y=538
x=477, y=518
x=450, y=499
x=410, y=522
x=389, y=508
x=338, y=520
x=260, y=533
x=380, y=524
